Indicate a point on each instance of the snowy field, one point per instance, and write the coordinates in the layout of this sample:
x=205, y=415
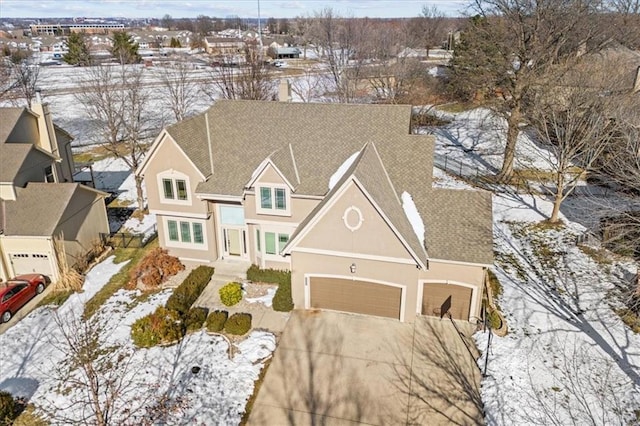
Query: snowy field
x=34, y=350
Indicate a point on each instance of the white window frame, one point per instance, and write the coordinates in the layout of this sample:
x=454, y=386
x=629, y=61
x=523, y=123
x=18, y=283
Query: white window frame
x=263, y=230
x=174, y=176
x=273, y=211
x=204, y=245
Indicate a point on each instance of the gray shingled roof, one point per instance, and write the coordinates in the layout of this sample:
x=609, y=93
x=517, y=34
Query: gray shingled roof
x=284, y=161
x=458, y=225
x=38, y=208
x=12, y=156
x=8, y=119
x=244, y=133
x=322, y=137
x=191, y=135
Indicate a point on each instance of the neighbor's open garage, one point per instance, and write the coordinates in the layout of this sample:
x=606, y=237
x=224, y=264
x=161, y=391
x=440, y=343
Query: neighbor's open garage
x=361, y=297
x=439, y=297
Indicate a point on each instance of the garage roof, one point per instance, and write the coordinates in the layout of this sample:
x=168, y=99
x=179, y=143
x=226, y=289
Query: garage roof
x=39, y=208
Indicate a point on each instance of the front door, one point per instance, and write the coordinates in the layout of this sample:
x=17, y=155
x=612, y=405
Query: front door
x=234, y=244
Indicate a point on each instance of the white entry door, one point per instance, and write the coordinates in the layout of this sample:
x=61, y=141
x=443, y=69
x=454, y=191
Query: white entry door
x=234, y=242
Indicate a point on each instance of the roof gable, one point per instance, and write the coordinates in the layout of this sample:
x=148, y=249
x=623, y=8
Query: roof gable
x=9, y=118
x=40, y=207
x=369, y=174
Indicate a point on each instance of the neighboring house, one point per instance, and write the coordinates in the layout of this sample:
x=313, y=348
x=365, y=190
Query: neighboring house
x=287, y=53
x=39, y=202
x=339, y=194
x=221, y=46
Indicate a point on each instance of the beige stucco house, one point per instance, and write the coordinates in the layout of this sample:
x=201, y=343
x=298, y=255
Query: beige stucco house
x=39, y=202
x=339, y=194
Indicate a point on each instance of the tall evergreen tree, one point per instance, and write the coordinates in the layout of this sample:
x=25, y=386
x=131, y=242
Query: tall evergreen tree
x=78, y=53
x=124, y=48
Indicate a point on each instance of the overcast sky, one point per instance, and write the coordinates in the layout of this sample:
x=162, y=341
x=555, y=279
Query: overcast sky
x=220, y=8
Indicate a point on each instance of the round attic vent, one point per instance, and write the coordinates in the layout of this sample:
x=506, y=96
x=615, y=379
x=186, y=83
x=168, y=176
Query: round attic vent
x=352, y=218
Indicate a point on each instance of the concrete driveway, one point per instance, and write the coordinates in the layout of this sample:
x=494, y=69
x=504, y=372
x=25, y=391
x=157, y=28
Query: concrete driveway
x=25, y=310
x=341, y=369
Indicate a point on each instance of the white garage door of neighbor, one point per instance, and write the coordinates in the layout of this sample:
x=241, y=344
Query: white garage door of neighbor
x=29, y=263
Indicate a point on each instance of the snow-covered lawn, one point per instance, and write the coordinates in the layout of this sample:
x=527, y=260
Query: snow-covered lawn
x=568, y=358
x=32, y=352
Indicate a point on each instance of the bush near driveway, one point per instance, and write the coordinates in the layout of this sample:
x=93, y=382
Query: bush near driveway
x=231, y=293
x=160, y=327
x=216, y=321
x=282, y=300
x=195, y=318
x=190, y=289
x=271, y=276
x=238, y=324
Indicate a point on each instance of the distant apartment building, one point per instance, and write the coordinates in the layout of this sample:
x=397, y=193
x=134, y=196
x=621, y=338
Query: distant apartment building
x=60, y=29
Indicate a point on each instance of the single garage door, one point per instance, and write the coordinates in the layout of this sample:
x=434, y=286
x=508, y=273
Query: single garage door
x=360, y=297
x=454, y=298
x=28, y=263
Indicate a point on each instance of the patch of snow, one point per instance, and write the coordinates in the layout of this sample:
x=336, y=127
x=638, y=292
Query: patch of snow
x=266, y=300
x=568, y=358
x=146, y=226
x=333, y=180
x=442, y=179
x=411, y=211
x=31, y=353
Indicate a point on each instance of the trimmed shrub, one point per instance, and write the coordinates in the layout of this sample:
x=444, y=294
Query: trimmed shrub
x=495, y=322
x=272, y=276
x=231, y=293
x=154, y=269
x=160, y=327
x=282, y=301
x=238, y=324
x=195, y=318
x=190, y=289
x=216, y=321
x=7, y=408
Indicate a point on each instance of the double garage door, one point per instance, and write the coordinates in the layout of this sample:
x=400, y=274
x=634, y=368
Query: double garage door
x=438, y=299
x=29, y=263
x=361, y=297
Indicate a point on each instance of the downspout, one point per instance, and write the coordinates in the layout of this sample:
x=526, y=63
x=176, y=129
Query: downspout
x=3, y=263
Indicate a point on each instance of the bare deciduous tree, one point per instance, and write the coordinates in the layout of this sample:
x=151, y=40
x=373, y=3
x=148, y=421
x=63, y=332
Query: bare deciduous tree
x=244, y=77
x=96, y=378
x=118, y=106
x=180, y=89
x=341, y=42
x=432, y=30
x=18, y=79
x=509, y=46
x=308, y=86
x=572, y=124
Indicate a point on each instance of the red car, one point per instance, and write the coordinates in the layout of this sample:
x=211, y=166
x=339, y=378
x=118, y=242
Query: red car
x=18, y=291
